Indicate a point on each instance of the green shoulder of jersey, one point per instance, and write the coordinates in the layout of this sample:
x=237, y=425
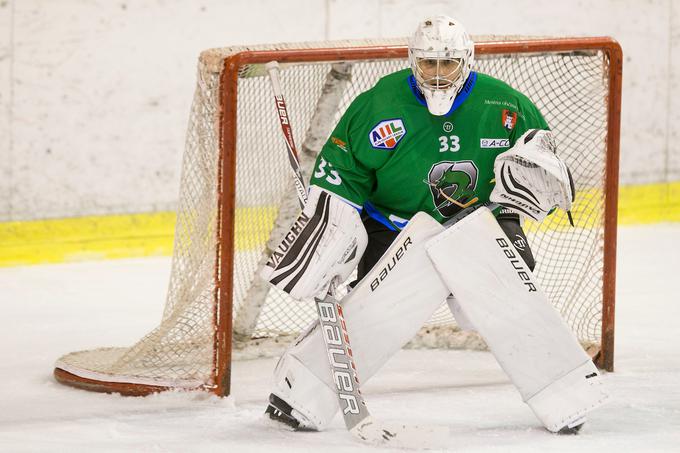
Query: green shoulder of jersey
x=390, y=156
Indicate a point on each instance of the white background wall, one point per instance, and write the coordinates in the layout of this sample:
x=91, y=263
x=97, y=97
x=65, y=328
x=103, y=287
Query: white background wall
x=95, y=94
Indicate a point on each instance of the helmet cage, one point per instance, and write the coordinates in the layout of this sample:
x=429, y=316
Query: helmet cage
x=438, y=72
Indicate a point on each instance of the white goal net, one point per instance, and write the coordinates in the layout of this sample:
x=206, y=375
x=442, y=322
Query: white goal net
x=570, y=86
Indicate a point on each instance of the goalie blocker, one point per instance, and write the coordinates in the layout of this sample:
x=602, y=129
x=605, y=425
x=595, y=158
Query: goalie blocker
x=324, y=244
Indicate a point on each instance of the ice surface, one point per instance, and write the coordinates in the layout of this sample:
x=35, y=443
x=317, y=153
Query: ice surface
x=51, y=310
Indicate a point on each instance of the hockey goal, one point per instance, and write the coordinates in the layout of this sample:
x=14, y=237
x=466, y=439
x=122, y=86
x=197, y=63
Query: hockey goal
x=236, y=199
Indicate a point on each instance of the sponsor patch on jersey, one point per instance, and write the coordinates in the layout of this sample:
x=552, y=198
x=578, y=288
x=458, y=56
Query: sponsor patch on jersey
x=509, y=119
x=494, y=143
x=387, y=134
x=339, y=143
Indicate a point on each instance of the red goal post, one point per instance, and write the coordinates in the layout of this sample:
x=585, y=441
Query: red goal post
x=223, y=119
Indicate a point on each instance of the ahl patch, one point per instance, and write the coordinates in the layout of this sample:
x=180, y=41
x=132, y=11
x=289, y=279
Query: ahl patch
x=509, y=119
x=387, y=134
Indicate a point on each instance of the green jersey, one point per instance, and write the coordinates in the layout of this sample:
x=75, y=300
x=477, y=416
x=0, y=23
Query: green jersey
x=391, y=157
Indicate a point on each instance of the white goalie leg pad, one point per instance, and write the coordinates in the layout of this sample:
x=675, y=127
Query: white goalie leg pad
x=566, y=401
x=502, y=299
x=383, y=312
x=313, y=401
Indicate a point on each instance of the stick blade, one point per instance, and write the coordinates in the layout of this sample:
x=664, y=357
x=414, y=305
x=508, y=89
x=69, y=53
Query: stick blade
x=401, y=435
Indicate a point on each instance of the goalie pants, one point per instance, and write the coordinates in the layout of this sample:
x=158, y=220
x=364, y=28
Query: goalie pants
x=380, y=237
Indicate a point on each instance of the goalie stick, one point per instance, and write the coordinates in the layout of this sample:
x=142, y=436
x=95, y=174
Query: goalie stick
x=358, y=420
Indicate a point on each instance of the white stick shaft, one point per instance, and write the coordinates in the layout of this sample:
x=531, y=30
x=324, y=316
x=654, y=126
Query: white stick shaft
x=284, y=119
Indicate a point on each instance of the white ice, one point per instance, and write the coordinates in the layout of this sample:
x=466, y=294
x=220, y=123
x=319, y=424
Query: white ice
x=51, y=310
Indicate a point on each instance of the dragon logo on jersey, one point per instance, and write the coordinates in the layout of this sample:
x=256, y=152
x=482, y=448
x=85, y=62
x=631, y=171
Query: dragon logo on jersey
x=509, y=119
x=387, y=134
x=452, y=185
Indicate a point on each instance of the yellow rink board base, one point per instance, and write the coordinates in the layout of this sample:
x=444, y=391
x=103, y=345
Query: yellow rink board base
x=151, y=234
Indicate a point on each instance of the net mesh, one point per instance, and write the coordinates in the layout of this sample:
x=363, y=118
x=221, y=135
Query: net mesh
x=570, y=88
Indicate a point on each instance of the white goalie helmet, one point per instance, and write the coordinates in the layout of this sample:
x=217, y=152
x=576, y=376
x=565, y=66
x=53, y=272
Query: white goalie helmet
x=441, y=55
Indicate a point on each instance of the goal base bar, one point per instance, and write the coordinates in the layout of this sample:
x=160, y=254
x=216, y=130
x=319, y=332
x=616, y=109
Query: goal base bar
x=123, y=388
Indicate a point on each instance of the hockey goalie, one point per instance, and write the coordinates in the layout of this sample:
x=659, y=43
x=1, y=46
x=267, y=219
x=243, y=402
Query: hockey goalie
x=422, y=187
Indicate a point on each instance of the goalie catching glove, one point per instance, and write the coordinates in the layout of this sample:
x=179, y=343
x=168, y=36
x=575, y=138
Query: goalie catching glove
x=326, y=241
x=531, y=179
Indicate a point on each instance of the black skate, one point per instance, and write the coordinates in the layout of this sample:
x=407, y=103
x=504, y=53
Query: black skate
x=571, y=430
x=280, y=411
